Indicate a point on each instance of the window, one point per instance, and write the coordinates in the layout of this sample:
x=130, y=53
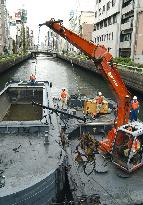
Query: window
x=113, y=2
x=127, y=37
x=97, y=26
x=95, y=14
x=109, y=36
x=102, y=37
x=99, y=1
x=109, y=21
x=112, y=35
x=105, y=23
x=99, y=11
x=126, y=3
x=101, y=25
x=105, y=37
x=114, y=19
x=95, y=40
x=103, y=9
x=108, y=5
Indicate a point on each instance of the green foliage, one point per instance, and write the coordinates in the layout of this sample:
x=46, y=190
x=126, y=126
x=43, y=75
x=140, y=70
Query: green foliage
x=77, y=56
x=6, y=58
x=127, y=62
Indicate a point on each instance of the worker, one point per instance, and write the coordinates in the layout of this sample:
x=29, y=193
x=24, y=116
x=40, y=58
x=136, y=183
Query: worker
x=64, y=96
x=32, y=78
x=99, y=101
x=128, y=146
x=134, y=109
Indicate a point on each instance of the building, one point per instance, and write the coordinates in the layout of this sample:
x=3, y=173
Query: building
x=4, y=30
x=138, y=48
x=82, y=23
x=118, y=26
x=86, y=24
x=128, y=30
x=20, y=32
x=131, y=33
x=31, y=40
x=107, y=25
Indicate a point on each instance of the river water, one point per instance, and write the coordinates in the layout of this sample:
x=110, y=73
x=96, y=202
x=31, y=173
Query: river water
x=62, y=75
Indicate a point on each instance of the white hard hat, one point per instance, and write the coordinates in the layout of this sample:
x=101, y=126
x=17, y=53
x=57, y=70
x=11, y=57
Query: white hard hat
x=99, y=93
x=135, y=98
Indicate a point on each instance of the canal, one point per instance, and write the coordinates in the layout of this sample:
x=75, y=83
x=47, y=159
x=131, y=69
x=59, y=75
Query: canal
x=62, y=74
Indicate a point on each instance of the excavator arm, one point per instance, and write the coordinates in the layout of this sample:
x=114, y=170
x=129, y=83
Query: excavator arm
x=103, y=61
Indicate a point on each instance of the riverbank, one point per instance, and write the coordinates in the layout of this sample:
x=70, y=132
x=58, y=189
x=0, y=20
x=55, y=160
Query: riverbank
x=132, y=76
x=9, y=62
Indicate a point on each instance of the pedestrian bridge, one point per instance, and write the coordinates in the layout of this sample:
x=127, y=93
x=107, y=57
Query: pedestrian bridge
x=43, y=51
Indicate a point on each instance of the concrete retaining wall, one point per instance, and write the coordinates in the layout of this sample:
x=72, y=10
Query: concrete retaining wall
x=43, y=192
x=132, y=78
x=4, y=105
x=7, y=65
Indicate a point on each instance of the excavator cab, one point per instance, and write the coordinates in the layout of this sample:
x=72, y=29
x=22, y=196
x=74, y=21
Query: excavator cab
x=127, y=151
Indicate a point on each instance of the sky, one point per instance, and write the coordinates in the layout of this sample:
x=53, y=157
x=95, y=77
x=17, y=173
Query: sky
x=40, y=11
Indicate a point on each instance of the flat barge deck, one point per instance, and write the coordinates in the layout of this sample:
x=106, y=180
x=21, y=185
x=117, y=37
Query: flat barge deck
x=31, y=171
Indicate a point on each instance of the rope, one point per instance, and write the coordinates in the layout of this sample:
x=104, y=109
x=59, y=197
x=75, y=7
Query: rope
x=38, y=48
x=77, y=86
x=79, y=94
x=39, y=37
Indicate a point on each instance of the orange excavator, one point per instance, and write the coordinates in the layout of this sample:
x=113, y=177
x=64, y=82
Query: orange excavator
x=121, y=139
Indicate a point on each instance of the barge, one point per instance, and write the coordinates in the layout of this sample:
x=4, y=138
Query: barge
x=31, y=171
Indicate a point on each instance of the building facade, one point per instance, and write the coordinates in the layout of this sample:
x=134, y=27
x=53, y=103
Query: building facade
x=4, y=30
x=82, y=23
x=137, y=49
x=22, y=36
x=107, y=24
x=128, y=30
x=86, y=24
x=118, y=26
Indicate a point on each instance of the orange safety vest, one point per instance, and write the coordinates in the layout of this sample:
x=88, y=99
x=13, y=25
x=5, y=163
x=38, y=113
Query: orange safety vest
x=32, y=77
x=99, y=99
x=63, y=94
x=135, y=105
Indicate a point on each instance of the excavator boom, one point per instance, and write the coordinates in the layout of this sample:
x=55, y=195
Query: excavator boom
x=103, y=61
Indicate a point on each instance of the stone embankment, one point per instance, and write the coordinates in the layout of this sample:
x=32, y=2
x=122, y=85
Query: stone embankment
x=132, y=76
x=5, y=65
